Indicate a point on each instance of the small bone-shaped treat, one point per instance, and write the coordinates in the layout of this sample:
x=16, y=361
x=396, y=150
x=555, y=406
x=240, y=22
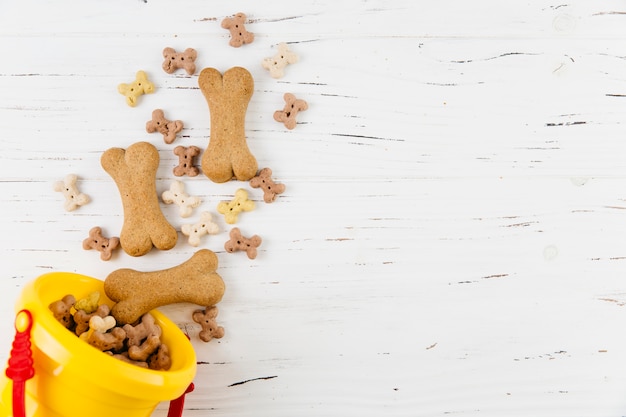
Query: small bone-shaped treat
x=206, y=319
x=266, y=183
x=141, y=352
x=239, y=242
x=238, y=204
x=104, y=245
x=134, y=171
x=174, y=60
x=177, y=195
x=293, y=106
x=101, y=324
x=238, y=33
x=146, y=328
x=73, y=197
x=137, y=88
x=136, y=293
x=227, y=154
x=113, y=340
x=168, y=128
x=186, y=158
x=205, y=226
x=276, y=64
x=82, y=318
x=160, y=360
x=88, y=304
x=62, y=310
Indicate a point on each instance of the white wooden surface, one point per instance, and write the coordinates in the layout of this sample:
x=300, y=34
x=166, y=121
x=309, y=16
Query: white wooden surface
x=451, y=241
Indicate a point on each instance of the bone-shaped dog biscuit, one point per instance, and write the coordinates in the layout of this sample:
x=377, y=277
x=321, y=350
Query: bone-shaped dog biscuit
x=132, y=91
x=238, y=33
x=228, y=95
x=134, y=172
x=136, y=293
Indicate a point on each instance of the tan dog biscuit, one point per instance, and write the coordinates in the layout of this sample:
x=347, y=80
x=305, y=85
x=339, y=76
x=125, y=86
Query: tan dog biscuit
x=239, y=242
x=206, y=319
x=104, y=245
x=270, y=188
x=238, y=33
x=62, y=310
x=174, y=60
x=186, y=158
x=227, y=154
x=276, y=64
x=140, y=332
x=134, y=171
x=113, y=340
x=81, y=317
x=293, y=106
x=168, y=128
x=160, y=360
x=136, y=293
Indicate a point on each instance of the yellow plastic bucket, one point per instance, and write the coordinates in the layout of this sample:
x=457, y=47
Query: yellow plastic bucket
x=74, y=379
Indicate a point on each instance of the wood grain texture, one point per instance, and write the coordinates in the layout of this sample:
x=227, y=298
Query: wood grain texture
x=451, y=239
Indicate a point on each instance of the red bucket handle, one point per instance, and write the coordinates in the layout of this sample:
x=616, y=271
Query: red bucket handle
x=20, y=368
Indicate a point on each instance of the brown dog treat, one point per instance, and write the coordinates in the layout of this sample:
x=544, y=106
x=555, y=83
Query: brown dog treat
x=134, y=171
x=238, y=33
x=293, y=106
x=143, y=330
x=239, y=242
x=143, y=351
x=174, y=60
x=227, y=154
x=136, y=293
x=186, y=158
x=81, y=317
x=113, y=340
x=104, y=245
x=160, y=360
x=270, y=188
x=206, y=319
x=167, y=128
x=62, y=310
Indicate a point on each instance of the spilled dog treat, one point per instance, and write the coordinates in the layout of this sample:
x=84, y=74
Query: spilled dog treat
x=238, y=33
x=287, y=115
x=173, y=60
x=168, y=128
x=238, y=242
x=73, y=197
x=132, y=91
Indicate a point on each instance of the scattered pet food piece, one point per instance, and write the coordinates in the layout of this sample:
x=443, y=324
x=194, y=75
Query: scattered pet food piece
x=104, y=245
x=204, y=227
x=134, y=171
x=264, y=181
x=136, y=293
x=73, y=197
x=62, y=310
x=238, y=33
x=276, y=64
x=141, y=331
x=186, y=158
x=210, y=328
x=227, y=154
x=177, y=195
x=160, y=360
x=175, y=60
x=113, y=340
x=137, y=88
x=293, y=106
x=238, y=204
x=239, y=242
x=82, y=318
x=167, y=128
x=88, y=304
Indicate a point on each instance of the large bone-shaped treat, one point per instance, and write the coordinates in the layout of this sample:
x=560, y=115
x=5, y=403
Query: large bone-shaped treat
x=134, y=171
x=227, y=154
x=136, y=293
